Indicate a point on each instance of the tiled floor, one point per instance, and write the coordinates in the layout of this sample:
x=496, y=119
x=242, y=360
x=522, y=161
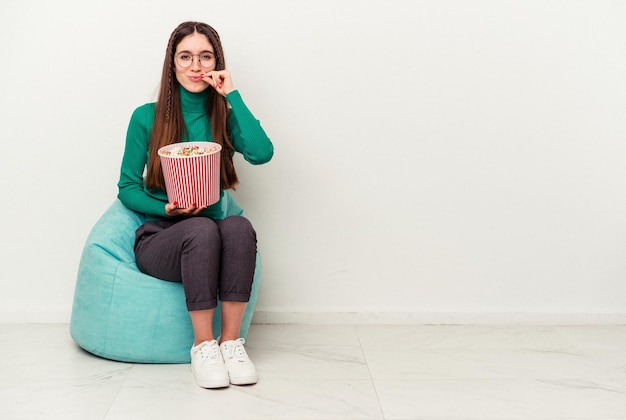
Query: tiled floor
x=333, y=372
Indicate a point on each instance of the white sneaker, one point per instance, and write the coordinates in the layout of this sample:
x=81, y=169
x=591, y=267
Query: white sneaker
x=207, y=365
x=240, y=368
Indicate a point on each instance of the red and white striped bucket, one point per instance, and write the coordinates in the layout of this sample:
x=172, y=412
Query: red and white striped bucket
x=192, y=173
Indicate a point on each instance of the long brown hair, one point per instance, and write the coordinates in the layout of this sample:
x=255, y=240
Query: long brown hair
x=169, y=126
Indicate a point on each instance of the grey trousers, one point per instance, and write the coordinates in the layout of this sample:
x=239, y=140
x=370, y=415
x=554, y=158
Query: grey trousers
x=210, y=257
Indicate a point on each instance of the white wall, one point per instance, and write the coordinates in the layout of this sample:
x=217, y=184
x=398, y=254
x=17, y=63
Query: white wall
x=432, y=157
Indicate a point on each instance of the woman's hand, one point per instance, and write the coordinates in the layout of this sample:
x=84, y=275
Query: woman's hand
x=172, y=210
x=219, y=80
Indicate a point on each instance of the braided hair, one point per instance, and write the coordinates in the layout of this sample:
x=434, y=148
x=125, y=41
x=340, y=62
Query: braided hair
x=169, y=126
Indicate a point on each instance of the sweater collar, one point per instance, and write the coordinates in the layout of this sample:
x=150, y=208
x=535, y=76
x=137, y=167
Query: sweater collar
x=193, y=102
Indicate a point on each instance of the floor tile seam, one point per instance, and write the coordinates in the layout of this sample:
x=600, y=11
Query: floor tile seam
x=476, y=379
x=369, y=372
x=532, y=382
x=119, y=391
x=618, y=387
x=590, y=359
x=559, y=330
x=582, y=344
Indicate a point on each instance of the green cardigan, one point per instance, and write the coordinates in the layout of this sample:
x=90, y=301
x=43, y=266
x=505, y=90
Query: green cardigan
x=246, y=135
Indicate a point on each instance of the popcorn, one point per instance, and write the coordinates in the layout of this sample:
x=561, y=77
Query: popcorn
x=187, y=150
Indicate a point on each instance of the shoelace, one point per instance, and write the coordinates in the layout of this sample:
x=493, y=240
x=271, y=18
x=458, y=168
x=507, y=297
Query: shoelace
x=236, y=351
x=210, y=353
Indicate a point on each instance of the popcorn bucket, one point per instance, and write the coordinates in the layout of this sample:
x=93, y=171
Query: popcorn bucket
x=192, y=173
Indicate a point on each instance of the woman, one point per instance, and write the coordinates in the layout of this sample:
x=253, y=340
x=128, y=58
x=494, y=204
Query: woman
x=212, y=255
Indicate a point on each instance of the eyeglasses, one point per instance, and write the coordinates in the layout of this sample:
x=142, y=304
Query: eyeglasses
x=185, y=59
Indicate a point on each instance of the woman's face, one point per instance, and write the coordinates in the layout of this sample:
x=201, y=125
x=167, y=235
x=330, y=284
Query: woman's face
x=194, y=56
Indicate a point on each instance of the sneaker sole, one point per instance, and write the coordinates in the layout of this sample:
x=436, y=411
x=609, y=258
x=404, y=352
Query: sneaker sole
x=244, y=380
x=215, y=383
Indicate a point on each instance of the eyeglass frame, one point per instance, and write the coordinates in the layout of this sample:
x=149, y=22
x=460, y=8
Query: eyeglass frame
x=214, y=58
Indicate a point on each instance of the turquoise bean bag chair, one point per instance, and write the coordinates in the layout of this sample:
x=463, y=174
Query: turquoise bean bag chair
x=122, y=314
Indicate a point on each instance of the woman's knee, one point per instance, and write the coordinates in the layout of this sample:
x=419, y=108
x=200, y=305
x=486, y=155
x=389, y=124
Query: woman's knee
x=237, y=227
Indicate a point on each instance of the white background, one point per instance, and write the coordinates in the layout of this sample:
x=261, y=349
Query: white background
x=432, y=157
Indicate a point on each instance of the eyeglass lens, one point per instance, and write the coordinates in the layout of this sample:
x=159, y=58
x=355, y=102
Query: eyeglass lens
x=185, y=59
